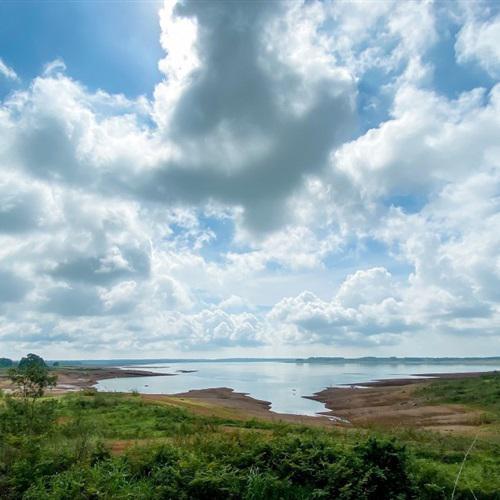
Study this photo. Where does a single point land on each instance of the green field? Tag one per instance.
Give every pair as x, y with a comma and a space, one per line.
479, 392
93, 445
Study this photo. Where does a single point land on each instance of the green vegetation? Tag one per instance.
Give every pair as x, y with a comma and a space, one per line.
116, 446
6, 363
32, 378
31, 361
481, 392
23, 412
91, 445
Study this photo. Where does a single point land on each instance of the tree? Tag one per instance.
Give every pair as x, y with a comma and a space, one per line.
31, 378
32, 382
31, 360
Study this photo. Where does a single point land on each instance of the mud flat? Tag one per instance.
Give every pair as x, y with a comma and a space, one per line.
75, 379
391, 403
397, 403
225, 402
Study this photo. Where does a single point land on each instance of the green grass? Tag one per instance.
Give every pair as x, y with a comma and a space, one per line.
121, 416
481, 392
177, 454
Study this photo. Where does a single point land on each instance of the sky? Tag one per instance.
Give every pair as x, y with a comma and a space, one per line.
244, 178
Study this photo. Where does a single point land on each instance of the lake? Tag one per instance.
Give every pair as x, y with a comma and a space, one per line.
283, 384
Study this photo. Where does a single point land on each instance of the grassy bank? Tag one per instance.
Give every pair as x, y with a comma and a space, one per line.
482, 393
120, 446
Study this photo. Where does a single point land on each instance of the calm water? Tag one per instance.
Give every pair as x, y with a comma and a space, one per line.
282, 383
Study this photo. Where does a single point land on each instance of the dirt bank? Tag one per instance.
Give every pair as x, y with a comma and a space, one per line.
74, 379
397, 403
393, 402
226, 403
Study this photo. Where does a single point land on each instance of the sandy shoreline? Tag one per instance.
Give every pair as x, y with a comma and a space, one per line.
418, 379
225, 402
395, 402
389, 402
75, 379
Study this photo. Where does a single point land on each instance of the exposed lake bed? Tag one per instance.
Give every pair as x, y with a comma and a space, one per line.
289, 388
312, 394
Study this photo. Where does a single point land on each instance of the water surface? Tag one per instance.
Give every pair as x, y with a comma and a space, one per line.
283, 384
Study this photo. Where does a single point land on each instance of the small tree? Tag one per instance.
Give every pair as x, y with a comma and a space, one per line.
31, 378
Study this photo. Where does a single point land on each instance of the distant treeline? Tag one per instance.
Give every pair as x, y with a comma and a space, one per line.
9, 363
406, 360
492, 360
6, 363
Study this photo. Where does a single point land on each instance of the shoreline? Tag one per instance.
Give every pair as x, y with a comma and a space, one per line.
384, 402
396, 402
415, 378
226, 402
71, 379
87, 378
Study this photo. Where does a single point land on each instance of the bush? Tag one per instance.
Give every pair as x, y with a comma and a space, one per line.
384, 470
20, 417
185, 456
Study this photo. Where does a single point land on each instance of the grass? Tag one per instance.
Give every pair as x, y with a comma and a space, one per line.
163, 449
481, 393
122, 417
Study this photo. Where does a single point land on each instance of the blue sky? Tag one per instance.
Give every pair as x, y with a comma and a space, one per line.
108, 45
196, 178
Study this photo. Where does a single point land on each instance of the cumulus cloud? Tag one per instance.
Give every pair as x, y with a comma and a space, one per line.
248, 125
240, 207
428, 142
365, 310
479, 41
21, 206
216, 328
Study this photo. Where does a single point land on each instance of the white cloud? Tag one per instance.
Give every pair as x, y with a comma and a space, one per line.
54, 68
365, 310
7, 71
428, 142
197, 220
479, 41
232, 108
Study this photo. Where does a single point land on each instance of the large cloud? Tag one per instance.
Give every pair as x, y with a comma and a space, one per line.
196, 220
247, 123
365, 310
244, 126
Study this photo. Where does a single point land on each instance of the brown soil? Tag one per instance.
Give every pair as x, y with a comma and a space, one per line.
226, 403
395, 403
75, 379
